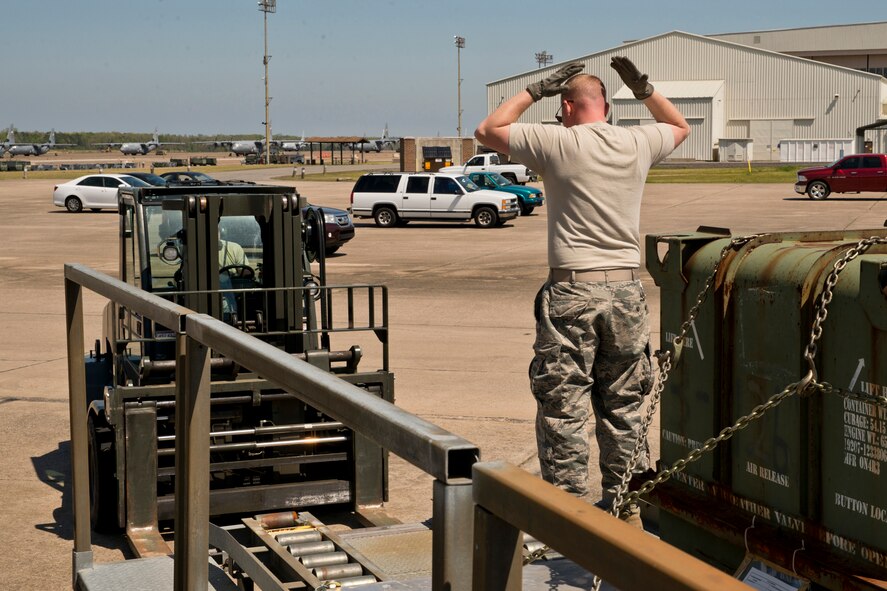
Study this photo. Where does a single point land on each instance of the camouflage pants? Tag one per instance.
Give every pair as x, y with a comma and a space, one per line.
592, 346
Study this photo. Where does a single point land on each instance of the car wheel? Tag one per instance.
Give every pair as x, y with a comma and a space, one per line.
73, 204
818, 190
486, 217
526, 209
385, 217
511, 177
102, 484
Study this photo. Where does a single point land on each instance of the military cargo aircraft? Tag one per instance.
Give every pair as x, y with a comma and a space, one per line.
239, 147
244, 147
292, 145
10, 138
28, 149
139, 148
383, 143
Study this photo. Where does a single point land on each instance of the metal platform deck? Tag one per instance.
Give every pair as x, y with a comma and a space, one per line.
143, 574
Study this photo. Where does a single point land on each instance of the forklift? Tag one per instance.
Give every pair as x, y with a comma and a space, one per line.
244, 255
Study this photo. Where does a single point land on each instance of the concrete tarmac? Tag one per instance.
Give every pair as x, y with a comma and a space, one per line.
461, 333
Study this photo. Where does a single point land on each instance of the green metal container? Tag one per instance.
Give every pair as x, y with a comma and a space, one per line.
695, 381
810, 468
853, 357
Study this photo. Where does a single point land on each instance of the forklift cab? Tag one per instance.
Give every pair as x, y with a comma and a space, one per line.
241, 254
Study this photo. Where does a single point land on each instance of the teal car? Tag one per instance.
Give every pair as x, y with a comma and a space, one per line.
528, 198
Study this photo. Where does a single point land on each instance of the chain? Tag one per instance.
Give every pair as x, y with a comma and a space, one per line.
535, 555
821, 312
734, 244
619, 505
828, 292
827, 388
808, 384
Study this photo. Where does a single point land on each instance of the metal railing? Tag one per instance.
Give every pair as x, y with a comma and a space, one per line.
434, 450
494, 500
510, 500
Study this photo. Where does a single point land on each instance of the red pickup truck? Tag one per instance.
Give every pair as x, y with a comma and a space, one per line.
851, 174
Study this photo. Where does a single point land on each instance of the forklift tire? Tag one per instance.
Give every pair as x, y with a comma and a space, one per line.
102, 484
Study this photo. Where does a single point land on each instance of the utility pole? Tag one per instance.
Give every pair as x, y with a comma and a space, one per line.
543, 58
267, 6
460, 44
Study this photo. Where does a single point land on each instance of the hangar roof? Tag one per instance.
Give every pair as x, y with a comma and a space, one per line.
861, 38
676, 33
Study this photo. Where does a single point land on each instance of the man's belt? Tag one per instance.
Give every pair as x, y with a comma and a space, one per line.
593, 276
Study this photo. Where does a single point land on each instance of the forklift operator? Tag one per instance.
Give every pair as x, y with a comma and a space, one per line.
231, 253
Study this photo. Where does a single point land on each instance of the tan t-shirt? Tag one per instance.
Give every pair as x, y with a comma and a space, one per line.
594, 177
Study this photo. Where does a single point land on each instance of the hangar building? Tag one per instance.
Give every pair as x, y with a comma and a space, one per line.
752, 101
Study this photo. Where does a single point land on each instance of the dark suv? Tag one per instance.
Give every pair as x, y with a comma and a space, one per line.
338, 228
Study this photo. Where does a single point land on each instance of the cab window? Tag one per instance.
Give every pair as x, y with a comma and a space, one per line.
476, 161
162, 228
871, 162
131, 266
852, 162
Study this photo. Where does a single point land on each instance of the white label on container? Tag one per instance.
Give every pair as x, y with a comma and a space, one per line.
679, 439
865, 431
864, 508
765, 473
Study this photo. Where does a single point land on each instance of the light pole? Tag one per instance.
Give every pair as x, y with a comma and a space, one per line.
267, 6
460, 43
543, 58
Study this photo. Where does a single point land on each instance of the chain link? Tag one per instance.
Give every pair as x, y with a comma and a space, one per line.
536, 555
827, 388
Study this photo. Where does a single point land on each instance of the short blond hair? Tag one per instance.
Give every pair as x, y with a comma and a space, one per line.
585, 86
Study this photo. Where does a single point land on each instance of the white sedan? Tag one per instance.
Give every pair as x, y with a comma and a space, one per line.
95, 191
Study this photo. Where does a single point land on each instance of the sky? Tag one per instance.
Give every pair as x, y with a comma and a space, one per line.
339, 67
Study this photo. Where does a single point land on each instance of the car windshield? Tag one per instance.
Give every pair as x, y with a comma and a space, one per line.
153, 179
499, 179
467, 183
134, 182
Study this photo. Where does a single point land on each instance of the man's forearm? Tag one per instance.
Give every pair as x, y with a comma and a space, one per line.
664, 111
493, 131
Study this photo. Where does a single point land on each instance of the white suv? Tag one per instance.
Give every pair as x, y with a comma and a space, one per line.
397, 198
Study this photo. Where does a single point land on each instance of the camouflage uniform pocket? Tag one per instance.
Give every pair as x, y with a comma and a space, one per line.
558, 332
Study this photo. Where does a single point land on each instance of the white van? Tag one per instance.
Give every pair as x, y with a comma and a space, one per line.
399, 197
